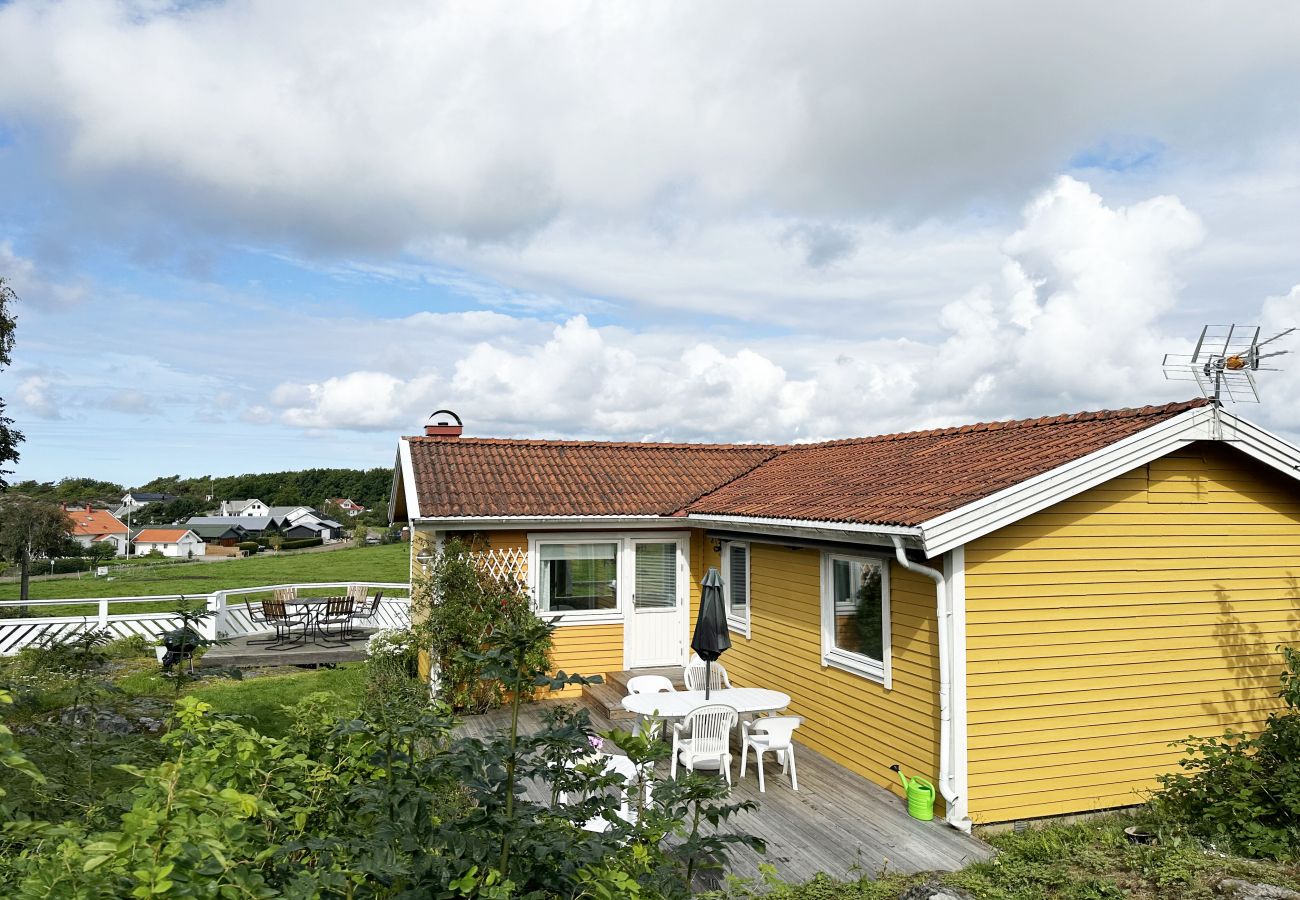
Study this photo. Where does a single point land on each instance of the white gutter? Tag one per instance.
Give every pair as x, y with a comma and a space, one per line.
802, 525
952, 772
452, 523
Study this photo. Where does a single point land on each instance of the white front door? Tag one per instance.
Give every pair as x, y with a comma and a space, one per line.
657, 603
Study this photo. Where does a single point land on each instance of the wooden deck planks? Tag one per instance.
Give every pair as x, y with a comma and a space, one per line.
239, 653
838, 822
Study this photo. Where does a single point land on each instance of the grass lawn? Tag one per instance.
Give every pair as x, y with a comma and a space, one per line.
258, 696
262, 698
383, 563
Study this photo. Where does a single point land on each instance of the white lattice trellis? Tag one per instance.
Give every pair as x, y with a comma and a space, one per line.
503, 562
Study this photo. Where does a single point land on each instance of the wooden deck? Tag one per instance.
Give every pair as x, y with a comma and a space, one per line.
838, 822
239, 653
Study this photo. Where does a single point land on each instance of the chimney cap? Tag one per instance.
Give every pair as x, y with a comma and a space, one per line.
442, 427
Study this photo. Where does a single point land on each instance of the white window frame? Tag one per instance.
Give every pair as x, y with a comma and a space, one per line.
880, 671
734, 622
571, 617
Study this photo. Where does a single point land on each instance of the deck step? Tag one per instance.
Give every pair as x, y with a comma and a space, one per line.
607, 700
620, 679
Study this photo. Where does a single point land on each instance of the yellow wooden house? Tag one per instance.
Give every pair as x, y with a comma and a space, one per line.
1029, 611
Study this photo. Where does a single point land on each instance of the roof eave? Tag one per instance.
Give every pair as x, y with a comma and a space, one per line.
498, 522
842, 530
988, 514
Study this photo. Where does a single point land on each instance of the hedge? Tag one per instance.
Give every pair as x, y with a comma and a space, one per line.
249, 547
301, 542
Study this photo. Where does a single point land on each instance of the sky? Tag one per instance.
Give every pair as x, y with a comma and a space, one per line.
252, 236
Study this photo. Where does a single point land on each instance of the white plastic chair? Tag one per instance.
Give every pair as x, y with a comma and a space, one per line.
649, 684
710, 738
632, 782
694, 675
773, 734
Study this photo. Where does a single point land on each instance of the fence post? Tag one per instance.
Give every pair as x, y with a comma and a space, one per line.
217, 604
103, 614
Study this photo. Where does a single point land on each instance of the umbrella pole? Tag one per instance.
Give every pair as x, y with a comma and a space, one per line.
708, 677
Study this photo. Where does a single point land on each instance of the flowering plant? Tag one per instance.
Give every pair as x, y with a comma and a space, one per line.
394, 643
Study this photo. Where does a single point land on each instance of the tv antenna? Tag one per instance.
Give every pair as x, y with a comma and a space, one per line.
1225, 361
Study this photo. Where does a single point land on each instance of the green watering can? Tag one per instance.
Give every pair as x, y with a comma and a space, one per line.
920, 795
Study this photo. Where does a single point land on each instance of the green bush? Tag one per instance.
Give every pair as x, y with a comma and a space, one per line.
63, 565
458, 606
386, 803
1241, 791
249, 547
299, 543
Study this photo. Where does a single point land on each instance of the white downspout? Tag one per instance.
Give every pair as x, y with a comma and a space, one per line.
951, 769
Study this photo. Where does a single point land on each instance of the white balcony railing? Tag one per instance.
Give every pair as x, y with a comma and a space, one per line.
229, 610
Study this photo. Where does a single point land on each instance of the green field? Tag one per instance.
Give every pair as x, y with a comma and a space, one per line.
383, 563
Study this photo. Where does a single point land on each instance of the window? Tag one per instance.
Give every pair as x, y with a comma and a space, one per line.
855, 615
578, 577
735, 584
656, 576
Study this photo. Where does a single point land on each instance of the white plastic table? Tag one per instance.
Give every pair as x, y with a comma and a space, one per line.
745, 701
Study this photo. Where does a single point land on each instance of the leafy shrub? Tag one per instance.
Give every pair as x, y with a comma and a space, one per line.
458, 606
299, 543
387, 804
249, 547
63, 565
1241, 791
129, 647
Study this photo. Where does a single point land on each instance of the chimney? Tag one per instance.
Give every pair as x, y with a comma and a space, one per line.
439, 426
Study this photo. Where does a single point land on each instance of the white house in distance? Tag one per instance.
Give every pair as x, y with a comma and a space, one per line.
347, 505
134, 500
91, 526
250, 507
180, 542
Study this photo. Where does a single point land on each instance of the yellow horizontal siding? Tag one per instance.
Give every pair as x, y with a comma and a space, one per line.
850, 719
1108, 626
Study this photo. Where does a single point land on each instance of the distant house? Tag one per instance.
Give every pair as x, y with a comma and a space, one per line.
347, 505
220, 534
135, 499
251, 526
252, 507
307, 530
90, 526
179, 542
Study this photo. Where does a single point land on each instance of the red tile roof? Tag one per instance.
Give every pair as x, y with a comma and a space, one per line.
909, 478
494, 477
93, 523
895, 479
161, 535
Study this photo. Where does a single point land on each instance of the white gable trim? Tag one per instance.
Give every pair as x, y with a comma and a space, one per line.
998, 510
407, 477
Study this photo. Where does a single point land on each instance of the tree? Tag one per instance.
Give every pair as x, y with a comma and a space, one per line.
10, 437
30, 528
100, 551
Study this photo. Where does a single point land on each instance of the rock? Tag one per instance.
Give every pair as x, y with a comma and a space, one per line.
1244, 890
933, 891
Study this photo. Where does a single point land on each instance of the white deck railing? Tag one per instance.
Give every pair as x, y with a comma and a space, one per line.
229, 610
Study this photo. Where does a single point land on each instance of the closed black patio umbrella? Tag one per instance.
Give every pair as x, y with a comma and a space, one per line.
711, 634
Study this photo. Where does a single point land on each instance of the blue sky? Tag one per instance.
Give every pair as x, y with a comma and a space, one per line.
254, 236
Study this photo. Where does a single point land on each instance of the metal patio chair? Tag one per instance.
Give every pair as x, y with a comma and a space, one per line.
338, 612
364, 608
284, 620
771, 734
709, 728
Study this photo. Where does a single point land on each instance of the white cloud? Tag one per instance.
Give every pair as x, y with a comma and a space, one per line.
34, 286
1077, 320
337, 125
40, 396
